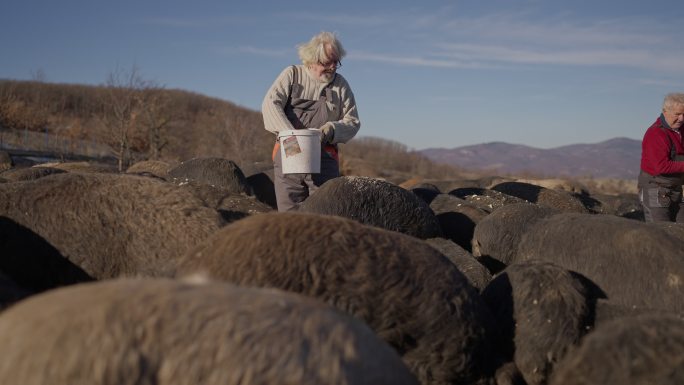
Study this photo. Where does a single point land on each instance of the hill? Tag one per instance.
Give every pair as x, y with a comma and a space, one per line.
130, 121
135, 121
615, 158
139, 121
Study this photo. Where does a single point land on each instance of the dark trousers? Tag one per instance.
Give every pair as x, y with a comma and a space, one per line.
292, 189
662, 204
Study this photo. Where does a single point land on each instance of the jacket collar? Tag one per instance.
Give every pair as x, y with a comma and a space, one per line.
663, 123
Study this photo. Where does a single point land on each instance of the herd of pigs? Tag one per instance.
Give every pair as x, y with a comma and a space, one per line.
186, 274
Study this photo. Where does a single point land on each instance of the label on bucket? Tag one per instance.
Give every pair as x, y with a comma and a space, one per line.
291, 146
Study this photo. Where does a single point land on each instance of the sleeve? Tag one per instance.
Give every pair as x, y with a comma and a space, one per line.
349, 124
656, 152
272, 108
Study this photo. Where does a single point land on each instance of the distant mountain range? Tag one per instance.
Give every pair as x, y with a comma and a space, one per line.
615, 158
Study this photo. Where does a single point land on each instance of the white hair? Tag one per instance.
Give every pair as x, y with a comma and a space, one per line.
314, 51
672, 100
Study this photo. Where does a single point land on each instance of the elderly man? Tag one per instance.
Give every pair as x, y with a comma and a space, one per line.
662, 164
311, 95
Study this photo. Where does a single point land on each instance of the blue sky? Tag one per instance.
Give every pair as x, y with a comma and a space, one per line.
544, 73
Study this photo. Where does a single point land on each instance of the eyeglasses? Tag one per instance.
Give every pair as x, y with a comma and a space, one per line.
336, 64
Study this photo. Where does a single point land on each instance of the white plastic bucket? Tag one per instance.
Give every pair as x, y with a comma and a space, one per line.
300, 151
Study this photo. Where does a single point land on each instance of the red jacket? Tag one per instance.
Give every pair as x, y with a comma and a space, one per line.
655, 149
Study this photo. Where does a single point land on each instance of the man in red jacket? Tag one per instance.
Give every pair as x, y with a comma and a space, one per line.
662, 164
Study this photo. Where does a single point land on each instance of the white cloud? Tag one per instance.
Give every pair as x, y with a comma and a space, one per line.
606, 56
519, 27
265, 52
447, 38
662, 82
174, 22
520, 38
338, 18
399, 59
251, 50
207, 22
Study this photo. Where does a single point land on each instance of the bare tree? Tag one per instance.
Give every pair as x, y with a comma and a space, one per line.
157, 114
38, 76
8, 101
122, 105
238, 137
21, 109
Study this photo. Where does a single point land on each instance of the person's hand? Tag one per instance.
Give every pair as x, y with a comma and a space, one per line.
327, 133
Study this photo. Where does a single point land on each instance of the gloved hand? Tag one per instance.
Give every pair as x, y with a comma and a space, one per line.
327, 133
